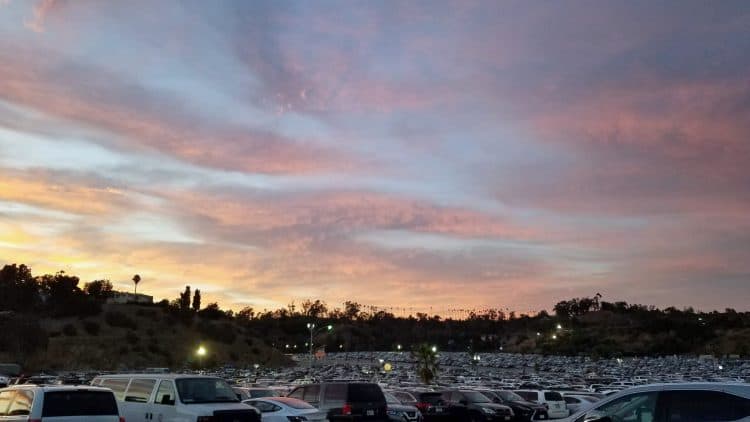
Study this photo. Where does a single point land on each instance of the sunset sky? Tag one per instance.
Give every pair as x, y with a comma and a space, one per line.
428, 154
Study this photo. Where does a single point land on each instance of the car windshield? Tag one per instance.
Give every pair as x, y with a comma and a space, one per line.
475, 397
205, 390
510, 396
391, 399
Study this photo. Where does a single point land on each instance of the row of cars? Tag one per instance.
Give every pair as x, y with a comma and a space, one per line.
195, 398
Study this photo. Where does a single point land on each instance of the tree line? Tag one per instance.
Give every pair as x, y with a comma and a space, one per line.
585, 325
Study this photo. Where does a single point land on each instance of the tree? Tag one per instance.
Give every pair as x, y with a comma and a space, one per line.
18, 288
315, 309
426, 362
185, 299
197, 300
351, 310
98, 289
136, 280
246, 314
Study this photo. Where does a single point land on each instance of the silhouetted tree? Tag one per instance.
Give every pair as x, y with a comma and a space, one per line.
197, 300
98, 289
18, 288
185, 299
136, 280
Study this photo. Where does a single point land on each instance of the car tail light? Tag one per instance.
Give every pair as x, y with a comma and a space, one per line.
122, 419
347, 409
422, 406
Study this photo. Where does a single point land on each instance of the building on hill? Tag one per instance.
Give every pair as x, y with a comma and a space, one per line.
126, 297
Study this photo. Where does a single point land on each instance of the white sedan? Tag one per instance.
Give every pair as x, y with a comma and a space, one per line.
285, 409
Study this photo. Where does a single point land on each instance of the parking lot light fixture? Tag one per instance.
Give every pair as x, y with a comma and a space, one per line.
554, 336
398, 347
434, 349
559, 326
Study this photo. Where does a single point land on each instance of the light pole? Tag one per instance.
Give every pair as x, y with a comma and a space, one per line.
313, 333
200, 353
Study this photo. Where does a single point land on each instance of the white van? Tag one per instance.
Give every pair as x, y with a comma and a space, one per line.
176, 398
59, 403
556, 406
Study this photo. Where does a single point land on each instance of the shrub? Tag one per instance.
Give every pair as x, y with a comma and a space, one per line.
91, 327
119, 319
69, 330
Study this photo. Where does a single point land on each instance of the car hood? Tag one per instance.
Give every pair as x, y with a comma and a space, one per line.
493, 406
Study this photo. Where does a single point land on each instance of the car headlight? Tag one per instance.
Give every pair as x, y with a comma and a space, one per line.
488, 411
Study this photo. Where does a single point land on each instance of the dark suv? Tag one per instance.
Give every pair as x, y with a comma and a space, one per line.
345, 401
523, 410
470, 406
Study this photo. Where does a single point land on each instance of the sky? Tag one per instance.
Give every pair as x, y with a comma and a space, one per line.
423, 155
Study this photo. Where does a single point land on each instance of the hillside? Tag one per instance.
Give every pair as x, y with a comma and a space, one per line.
136, 336
49, 322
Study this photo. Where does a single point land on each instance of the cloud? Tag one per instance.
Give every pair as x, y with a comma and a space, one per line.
40, 12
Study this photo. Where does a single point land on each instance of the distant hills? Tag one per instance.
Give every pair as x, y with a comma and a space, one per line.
52, 323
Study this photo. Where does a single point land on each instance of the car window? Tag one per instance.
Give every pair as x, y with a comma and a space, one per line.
165, 394
78, 403
117, 385
528, 395
404, 397
5, 399
311, 393
705, 406
571, 400
365, 393
21, 404
264, 407
297, 393
432, 398
335, 392
552, 396
637, 407
140, 390
205, 390
475, 397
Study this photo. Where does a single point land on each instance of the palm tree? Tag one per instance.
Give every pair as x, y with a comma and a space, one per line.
136, 280
427, 364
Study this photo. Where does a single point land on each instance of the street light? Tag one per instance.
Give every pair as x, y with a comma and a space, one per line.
313, 333
434, 349
554, 336
201, 352
398, 347
559, 326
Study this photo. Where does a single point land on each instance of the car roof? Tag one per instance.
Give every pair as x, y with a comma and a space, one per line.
739, 389
45, 387
156, 376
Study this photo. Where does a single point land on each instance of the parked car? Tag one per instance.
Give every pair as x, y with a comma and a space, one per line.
247, 393
24, 403
576, 403
285, 409
400, 412
172, 397
345, 401
432, 406
467, 405
556, 407
523, 410
404, 397
691, 402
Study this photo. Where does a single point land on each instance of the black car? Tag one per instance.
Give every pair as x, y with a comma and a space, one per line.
473, 406
345, 401
523, 409
432, 406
